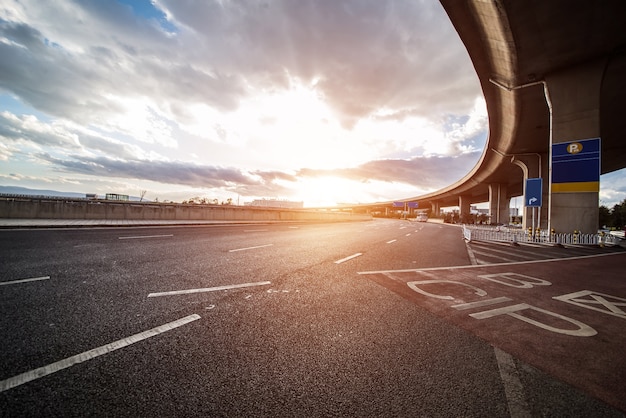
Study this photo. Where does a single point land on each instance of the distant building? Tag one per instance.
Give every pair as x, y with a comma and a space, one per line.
275, 203
115, 196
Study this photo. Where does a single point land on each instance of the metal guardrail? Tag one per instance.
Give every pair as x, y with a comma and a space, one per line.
513, 235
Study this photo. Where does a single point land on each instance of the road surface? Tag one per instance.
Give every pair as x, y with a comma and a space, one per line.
273, 320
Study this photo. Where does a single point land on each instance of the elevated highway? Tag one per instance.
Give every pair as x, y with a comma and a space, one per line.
551, 72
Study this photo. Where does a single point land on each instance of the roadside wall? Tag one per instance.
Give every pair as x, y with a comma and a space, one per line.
25, 208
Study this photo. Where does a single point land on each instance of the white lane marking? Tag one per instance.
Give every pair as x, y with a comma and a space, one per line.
513, 388
491, 265
408, 235
34, 279
207, 289
393, 240
146, 236
250, 248
348, 258
471, 254
487, 255
20, 379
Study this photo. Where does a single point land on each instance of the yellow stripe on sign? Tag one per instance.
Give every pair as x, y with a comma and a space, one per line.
583, 186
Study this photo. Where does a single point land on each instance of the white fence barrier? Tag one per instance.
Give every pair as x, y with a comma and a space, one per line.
478, 233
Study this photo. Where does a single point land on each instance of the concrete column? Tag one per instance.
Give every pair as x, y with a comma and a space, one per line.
499, 203
434, 208
464, 208
535, 166
574, 96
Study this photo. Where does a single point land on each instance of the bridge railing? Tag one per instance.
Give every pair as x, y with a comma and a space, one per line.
514, 235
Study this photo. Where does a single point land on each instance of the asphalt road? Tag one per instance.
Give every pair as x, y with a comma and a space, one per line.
249, 320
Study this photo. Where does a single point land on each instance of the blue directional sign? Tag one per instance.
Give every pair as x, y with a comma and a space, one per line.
576, 166
398, 204
532, 197
413, 205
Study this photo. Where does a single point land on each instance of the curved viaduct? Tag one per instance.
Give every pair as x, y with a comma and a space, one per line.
552, 72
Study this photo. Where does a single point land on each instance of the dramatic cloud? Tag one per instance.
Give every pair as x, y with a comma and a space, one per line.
428, 172
257, 98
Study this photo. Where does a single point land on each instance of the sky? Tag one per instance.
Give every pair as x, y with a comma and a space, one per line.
323, 102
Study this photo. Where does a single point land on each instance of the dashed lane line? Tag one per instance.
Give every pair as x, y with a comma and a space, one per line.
250, 248
20, 379
34, 279
348, 258
146, 236
513, 388
207, 289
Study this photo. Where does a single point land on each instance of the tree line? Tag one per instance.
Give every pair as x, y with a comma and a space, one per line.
614, 217
204, 201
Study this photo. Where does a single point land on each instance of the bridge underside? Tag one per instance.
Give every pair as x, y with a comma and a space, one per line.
552, 72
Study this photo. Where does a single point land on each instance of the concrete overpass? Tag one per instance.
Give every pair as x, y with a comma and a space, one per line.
552, 72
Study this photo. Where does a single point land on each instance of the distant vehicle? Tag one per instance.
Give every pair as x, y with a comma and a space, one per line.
422, 217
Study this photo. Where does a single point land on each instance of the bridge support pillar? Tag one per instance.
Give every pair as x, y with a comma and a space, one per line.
574, 98
434, 208
464, 208
499, 203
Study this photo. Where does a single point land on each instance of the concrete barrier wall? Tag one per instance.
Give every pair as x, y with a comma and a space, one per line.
92, 209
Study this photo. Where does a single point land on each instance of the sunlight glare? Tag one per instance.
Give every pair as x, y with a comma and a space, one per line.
325, 191
141, 120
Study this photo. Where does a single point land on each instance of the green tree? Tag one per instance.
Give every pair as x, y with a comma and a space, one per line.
605, 217
618, 214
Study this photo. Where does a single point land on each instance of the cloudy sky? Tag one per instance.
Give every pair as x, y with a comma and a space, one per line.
320, 101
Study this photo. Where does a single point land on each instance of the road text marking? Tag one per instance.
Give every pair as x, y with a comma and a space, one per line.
34, 279
20, 379
207, 289
348, 258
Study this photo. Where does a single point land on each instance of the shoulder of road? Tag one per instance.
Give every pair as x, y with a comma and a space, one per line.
8, 223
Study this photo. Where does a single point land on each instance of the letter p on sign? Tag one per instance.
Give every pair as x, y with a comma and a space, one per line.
574, 148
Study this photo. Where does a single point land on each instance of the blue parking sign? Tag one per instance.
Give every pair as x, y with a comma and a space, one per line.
532, 197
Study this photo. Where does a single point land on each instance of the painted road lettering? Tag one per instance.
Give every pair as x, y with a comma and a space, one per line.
538, 317
416, 288
573, 327
520, 281
582, 330
481, 303
596, 301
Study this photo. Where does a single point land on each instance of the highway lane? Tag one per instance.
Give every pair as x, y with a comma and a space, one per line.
306, 335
